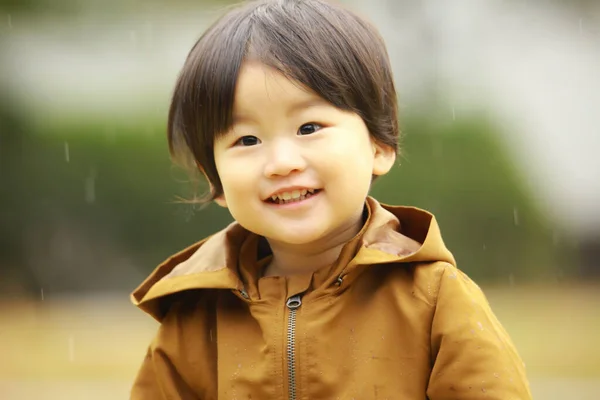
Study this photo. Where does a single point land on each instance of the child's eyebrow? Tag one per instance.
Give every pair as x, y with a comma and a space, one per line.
242, 119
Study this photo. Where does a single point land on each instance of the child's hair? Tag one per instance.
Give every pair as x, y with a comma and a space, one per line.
326, 48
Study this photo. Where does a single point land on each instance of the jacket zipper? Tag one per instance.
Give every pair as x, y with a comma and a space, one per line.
293, 303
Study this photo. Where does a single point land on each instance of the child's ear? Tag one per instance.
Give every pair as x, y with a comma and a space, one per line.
221, 201
383, 158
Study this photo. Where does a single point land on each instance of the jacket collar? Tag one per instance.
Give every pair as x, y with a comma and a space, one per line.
391, 234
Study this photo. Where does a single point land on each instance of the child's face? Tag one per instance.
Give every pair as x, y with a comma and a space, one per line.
288, 141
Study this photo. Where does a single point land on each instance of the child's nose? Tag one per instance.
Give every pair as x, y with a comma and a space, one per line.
284, 158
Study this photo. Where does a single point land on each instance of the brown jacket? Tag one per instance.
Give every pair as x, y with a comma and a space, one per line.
393, 318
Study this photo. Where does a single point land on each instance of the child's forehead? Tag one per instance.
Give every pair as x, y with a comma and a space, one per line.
259, 83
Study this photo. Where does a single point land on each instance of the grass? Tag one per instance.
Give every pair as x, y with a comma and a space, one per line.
72, 339
555, 329
91, 347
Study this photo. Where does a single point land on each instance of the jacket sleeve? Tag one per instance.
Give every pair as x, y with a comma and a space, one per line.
472, 355
180, 361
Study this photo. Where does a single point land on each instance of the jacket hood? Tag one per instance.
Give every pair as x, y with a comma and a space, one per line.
390, 235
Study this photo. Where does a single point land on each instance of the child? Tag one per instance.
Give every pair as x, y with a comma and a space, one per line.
317, 291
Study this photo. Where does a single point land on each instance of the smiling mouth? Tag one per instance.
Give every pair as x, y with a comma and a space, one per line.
294, 196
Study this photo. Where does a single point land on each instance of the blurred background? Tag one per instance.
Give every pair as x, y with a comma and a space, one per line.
500, 108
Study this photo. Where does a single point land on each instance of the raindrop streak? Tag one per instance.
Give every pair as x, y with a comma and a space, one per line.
581, 26
453, 114
42, 291
71, 349
9, 21
67, 155
516, 216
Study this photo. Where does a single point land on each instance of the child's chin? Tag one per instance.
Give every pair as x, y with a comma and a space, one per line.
297, 237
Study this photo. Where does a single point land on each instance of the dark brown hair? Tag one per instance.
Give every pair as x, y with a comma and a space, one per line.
325, 47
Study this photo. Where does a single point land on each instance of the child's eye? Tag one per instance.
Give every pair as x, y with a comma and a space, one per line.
247, 140
307, 129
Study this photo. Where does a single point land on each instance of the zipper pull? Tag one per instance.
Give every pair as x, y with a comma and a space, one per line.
294, 302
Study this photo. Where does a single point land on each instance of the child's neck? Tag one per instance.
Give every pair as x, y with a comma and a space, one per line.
291, 259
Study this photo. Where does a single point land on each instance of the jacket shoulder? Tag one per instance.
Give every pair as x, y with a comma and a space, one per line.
426, 279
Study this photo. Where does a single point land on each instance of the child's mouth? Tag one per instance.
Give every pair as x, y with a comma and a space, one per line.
294, 196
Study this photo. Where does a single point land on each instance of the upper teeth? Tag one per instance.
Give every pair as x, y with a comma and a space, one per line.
295, 194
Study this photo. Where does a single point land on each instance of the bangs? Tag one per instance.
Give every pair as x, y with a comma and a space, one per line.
322, 49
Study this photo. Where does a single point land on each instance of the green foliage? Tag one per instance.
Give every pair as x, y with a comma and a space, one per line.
461, 173
135, 187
